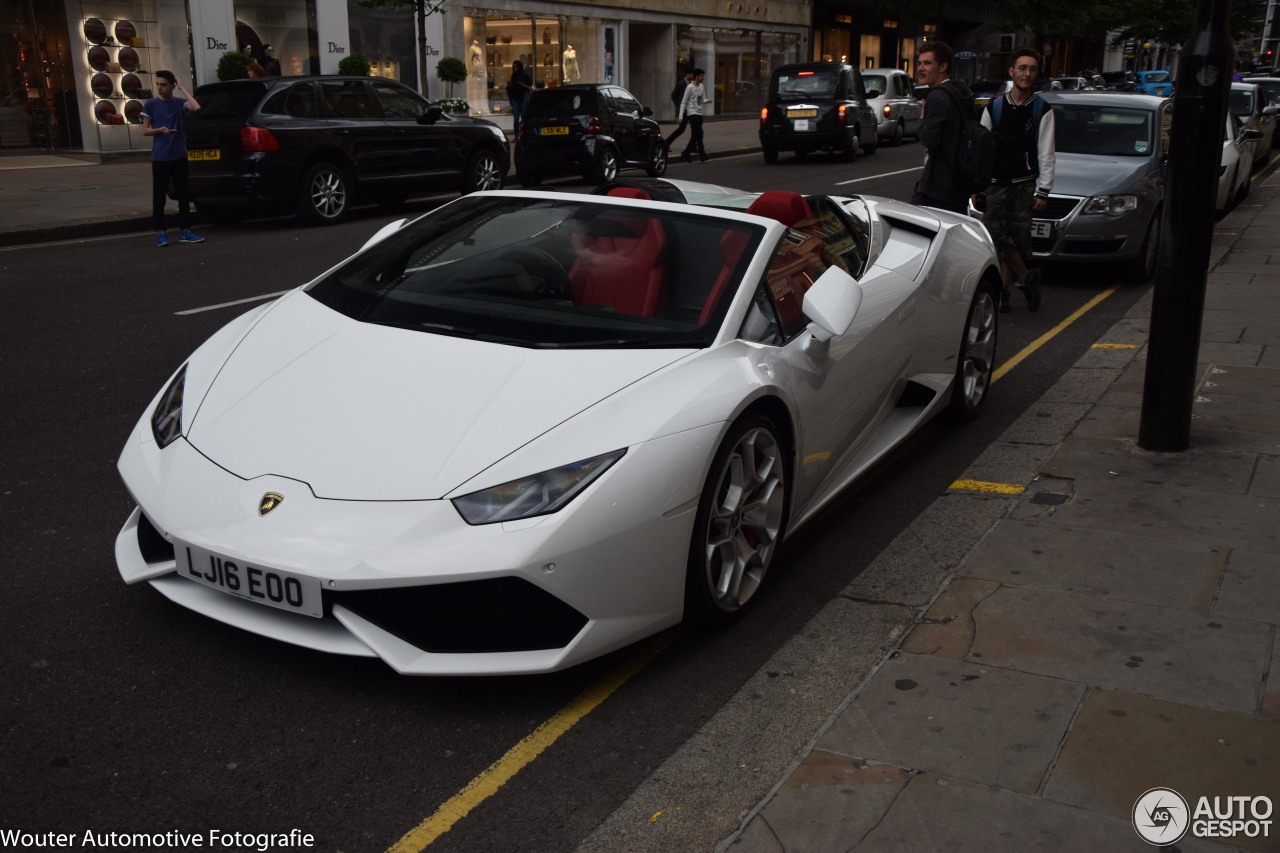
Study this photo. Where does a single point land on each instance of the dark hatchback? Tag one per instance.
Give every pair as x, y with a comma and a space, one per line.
316, 144
818, 106
592, 129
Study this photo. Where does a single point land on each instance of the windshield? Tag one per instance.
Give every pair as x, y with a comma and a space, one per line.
544, 272
1108, 131
798, 85
1155, 76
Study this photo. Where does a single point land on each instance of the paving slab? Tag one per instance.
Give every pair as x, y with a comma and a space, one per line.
1109, 566
1250, 588
829, 802
973, 722
1213, 661
937, 813
1123, 744
1198, 469
1266, 477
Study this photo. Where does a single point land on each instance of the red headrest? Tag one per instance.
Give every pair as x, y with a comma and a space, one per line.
786, 207
629, 192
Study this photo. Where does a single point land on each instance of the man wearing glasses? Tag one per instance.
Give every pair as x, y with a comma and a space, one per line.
1023, 125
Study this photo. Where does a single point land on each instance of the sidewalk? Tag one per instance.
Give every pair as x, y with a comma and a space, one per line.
59, 197
1075, 622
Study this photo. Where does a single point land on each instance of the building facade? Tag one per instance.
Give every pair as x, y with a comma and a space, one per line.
75, 73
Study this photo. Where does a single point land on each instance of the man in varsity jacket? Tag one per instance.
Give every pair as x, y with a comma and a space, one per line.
1023, 125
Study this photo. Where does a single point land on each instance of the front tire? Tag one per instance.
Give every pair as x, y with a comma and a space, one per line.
1143, 267
325, 195
658, 160
741, 518
977, 359
483, 173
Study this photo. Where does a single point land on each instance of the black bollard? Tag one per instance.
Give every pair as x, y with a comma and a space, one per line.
1186, 226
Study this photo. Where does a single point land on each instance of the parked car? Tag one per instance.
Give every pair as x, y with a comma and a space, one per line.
1235, 171
1074, 84
590, 129
531, 427
986, 90
1247, 101
1109, 181
818, 106
1159, 83
1121, 81
1269, 92
317, 144
891, 95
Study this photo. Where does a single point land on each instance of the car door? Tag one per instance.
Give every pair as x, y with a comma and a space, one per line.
842, 393
422, 155
357, 126
624, 116
912, 108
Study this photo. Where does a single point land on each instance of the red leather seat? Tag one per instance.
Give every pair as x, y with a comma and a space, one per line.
732, 245
786, 207
624, 272
629, 192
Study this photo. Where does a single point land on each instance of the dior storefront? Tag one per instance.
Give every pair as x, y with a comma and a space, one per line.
77, 72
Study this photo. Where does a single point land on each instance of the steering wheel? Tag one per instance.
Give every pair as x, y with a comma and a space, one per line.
554, 280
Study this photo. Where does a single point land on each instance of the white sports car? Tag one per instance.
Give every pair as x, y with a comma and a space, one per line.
529, 428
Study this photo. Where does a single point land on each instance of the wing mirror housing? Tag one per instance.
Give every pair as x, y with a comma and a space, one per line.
1251, 133
831, 304
646, 111
432, 114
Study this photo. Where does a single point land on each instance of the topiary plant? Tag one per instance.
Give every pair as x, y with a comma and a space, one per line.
233, 65
355, 64
451, 70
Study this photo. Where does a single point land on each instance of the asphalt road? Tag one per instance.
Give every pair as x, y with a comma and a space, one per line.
126, 713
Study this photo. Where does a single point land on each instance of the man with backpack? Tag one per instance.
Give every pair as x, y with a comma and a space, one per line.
677, 97
947, 107
1024, 168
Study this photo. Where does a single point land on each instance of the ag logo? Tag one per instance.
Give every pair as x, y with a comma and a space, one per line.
1161, 816
269, 501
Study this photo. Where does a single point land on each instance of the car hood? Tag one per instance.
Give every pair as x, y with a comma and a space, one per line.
363, 412
1092, 174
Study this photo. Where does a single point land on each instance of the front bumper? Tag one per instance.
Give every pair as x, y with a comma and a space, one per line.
1077, 236
409, 581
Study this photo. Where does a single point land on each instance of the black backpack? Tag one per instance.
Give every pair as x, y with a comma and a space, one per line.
976, 158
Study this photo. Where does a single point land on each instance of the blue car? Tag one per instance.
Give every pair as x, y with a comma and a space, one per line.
1154, 83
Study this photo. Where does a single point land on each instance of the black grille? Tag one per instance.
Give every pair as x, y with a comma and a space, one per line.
496, 615
154, 547
1059, 207
1091, 247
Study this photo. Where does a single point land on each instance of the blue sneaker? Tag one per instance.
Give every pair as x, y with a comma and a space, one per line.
162, 240
190, 237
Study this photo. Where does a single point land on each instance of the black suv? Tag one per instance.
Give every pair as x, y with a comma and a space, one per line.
818, 106
315, 144
592, 130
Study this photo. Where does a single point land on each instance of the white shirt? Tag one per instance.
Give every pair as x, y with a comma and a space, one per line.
693, 101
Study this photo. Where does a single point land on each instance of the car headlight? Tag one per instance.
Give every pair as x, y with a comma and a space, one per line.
1111, 205
166, 420
540, 494
498, 132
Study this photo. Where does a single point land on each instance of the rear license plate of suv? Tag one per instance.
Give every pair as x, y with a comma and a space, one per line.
204, 154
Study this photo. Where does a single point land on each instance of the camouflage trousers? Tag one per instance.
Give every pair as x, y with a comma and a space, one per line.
1008, 218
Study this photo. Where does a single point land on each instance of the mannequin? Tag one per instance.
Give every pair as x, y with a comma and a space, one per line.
270, 64
570, 58
476, 63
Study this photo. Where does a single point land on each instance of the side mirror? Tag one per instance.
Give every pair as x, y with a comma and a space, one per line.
1271, 110
645, 111
833, 301
432, 115
1251, 133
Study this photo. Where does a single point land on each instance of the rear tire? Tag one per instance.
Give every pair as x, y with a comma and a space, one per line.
770, 156
977, 358
741, 518
606, 168
324, 197
658, 160
898, 132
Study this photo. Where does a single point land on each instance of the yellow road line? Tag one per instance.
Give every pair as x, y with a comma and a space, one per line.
519, 756
1115, 346
986, 488
1051, 334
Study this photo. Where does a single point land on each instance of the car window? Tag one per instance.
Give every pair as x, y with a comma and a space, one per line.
796, 264
1107, 131
625, 102
235, 101
397, 102
876, 81
298, 100
349, 99
1155, 76
1240, 102
798, 85
761, 325
552, 103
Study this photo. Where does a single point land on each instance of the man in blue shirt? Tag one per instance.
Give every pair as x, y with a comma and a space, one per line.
162, 118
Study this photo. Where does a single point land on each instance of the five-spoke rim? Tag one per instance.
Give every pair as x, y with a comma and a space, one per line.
745, 519
979, 349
